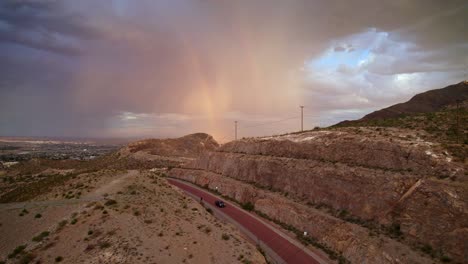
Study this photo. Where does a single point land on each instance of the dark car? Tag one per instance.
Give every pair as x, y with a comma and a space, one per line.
220, 204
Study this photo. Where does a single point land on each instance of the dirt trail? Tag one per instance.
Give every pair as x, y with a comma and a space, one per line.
95, 195
112, 186
12, 225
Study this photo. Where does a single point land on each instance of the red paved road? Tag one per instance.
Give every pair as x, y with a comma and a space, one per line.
281, 246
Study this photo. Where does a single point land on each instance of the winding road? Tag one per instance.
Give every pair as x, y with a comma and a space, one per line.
287, 251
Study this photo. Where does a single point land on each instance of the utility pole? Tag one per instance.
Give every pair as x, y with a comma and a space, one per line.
302, 118
458, 121
235, 130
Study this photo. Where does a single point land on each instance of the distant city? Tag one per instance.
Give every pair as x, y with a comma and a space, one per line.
19, 149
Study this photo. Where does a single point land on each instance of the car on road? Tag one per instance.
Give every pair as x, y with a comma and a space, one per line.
220, 203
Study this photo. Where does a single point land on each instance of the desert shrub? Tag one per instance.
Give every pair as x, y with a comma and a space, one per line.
395, 230
104, 244
38, 216
427, 249
18, 250
343, 213
110, 202
59, 259
27, 258
225, 237
445, 259
62, 223
260, 249
248, 206
41, 236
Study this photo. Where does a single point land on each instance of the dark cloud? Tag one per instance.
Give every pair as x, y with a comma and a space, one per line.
42, 40
200, 60
439, 29
44, 25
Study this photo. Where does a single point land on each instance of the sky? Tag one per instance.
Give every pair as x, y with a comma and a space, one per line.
166, 68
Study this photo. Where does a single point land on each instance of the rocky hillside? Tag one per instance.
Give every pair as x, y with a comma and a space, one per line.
189, 146
438, 116
430, 101
365, 195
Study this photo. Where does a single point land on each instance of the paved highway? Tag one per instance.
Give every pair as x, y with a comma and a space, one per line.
288, 251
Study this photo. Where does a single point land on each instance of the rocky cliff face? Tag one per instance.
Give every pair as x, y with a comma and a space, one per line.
173, 149
353, 241
336, 185
396, 150
435, 213
397, 183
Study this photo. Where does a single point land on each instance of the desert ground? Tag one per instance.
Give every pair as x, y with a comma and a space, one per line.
112, 216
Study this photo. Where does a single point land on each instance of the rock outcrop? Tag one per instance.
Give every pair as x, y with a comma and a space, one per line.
354, 147
401, 184
175, 149
352, 240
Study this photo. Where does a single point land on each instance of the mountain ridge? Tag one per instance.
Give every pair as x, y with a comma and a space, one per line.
429, 101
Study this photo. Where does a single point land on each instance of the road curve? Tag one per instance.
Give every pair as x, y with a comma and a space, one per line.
289, 252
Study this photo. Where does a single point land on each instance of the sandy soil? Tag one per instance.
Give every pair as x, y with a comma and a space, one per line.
131, 217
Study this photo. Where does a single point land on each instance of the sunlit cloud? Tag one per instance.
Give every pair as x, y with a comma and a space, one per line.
378, 72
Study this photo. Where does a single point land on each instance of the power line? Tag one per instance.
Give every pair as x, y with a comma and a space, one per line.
458, 121
272, 122
235, 128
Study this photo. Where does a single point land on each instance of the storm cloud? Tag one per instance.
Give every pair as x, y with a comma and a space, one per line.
166, 68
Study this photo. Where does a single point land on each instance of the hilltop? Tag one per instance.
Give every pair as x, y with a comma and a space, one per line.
430, 101
189, 146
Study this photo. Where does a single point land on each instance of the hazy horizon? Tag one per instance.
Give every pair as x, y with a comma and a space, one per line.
130, 70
